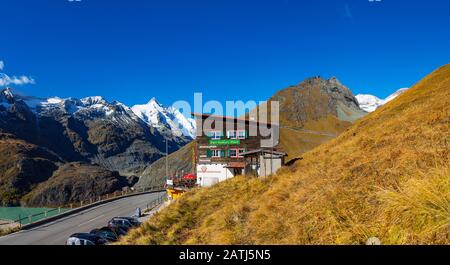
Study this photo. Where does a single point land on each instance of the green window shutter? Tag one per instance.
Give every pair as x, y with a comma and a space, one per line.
227, 153
208, 153
246, 134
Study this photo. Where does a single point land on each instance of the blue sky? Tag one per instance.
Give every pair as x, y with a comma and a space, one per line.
134, 50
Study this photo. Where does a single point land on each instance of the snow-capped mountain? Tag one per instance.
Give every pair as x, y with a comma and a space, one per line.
6, 95
95, 130
394, 95
167, 120
72, 106
158, 116
371, 103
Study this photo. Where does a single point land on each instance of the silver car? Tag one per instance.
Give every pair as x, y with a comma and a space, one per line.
75, 241
85, 239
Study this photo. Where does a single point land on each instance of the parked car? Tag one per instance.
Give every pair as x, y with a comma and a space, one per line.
85, 239
108, 235
117, 230
75, 241
134, 221
120, 223
110, 229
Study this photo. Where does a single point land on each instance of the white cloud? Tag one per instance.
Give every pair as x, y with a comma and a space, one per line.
6, 80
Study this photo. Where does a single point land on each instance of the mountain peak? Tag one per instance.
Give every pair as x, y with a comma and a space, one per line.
153, 101
320, 80
94, 100
313, 80
7, 91
335, 81
170, 119
6, 94
368, 103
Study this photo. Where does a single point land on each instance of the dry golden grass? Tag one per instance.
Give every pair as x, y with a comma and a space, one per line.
7, 231
297, 141
387, 176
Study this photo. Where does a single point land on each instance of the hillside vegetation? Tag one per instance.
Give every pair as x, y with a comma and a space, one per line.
180, 162
387, 176
296, 141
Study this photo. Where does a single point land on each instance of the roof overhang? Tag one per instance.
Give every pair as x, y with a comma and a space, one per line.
228, 118
263, 151
236, 165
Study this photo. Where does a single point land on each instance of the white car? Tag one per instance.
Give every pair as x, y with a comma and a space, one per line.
74, 241
85, 239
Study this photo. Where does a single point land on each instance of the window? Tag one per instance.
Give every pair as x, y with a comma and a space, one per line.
240, 151
216, 135
233, 153
242, 134
216, 153
232, 134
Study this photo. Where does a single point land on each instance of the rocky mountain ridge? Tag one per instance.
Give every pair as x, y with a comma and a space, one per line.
41, 135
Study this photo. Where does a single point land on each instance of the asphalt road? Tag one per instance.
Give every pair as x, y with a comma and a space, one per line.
57, 232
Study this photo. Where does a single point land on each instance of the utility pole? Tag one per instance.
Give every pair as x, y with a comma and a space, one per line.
271, 161
167, 159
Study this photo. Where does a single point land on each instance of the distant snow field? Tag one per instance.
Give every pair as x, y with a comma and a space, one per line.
371, 103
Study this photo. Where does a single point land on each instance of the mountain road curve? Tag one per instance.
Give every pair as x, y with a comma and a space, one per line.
58, 231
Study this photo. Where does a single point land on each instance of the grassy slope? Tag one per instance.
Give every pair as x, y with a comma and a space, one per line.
181, 160
387, 176
297, 141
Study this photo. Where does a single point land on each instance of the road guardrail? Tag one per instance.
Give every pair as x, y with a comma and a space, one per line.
67, 210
